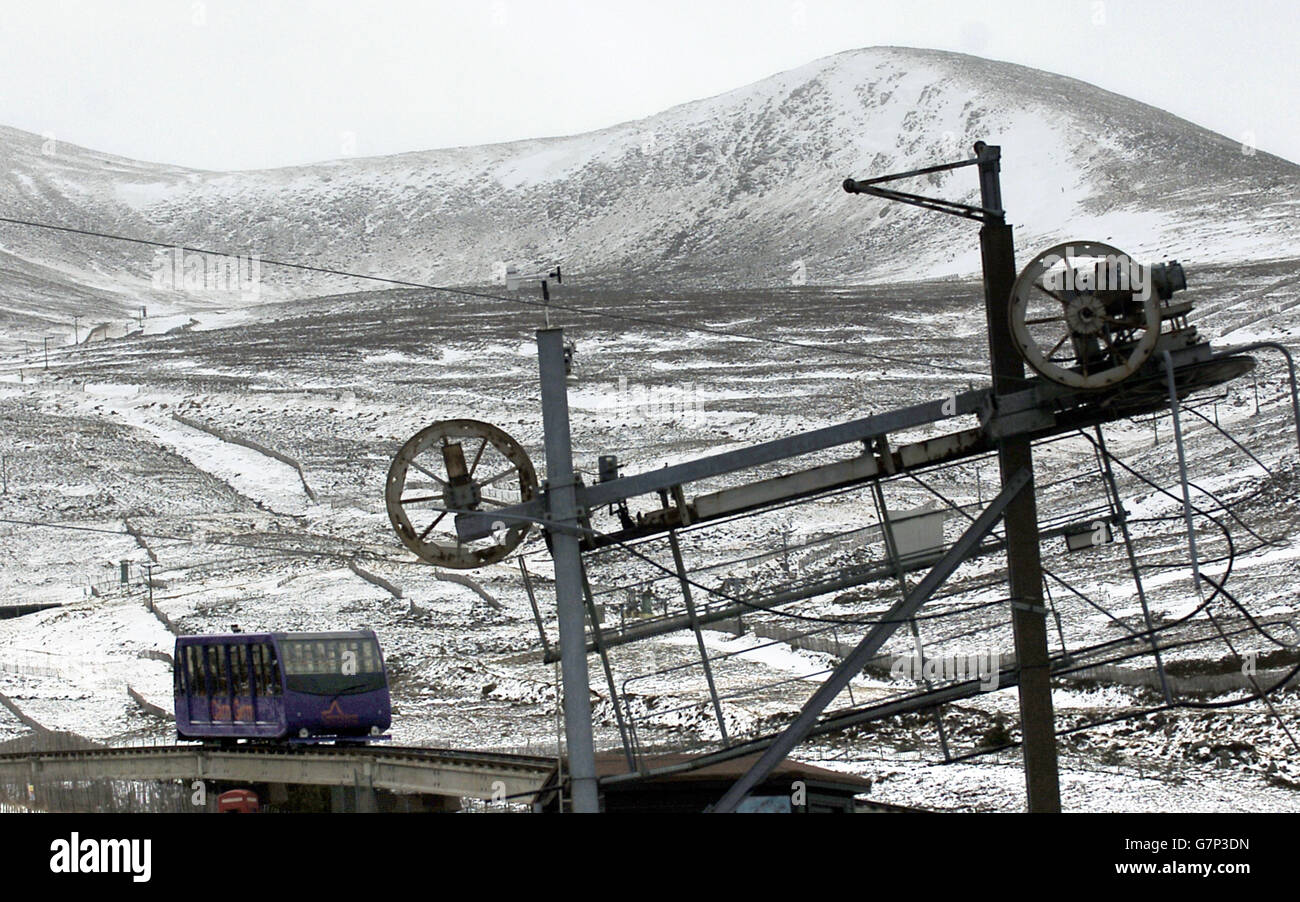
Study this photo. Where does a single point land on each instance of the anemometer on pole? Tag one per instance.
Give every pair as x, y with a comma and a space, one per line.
514, 280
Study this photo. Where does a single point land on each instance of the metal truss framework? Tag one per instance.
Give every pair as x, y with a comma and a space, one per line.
1012, 414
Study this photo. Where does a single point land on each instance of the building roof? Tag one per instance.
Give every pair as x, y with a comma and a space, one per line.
609, 764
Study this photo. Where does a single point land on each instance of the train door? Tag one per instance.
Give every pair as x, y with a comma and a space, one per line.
267, 697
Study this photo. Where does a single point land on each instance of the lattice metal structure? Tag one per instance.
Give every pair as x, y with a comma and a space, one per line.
1105, 342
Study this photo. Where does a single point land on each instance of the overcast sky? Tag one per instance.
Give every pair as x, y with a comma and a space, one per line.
229, 84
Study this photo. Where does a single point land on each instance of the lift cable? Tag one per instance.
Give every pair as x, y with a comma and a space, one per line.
546, 304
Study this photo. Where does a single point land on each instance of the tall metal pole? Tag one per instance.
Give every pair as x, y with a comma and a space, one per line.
699, 636
1024, 563
1182, 472
562, 511
532, 600
1108, 473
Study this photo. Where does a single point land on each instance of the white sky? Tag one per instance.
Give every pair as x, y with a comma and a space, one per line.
230, 84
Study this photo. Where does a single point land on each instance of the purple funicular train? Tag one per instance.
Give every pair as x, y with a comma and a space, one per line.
285, 687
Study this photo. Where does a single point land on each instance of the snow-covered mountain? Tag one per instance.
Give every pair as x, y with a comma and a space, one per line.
739, 189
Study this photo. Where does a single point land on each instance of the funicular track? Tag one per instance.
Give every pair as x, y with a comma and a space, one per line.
401, 769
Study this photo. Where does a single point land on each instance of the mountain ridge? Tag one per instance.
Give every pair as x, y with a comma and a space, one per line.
740, 188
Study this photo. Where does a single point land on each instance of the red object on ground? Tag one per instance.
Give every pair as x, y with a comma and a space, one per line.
238, 801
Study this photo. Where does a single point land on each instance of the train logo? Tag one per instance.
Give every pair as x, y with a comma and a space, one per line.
336, 715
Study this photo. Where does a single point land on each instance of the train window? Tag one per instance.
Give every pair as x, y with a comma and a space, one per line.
291, 656
258, 656
255, 674
228, 653
302, 658
239, 670
273, 668
369, 662
217, 667
198, 676
268, 681
202, 679
318, 666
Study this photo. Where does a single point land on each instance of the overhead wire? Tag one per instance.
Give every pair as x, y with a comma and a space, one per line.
465, 292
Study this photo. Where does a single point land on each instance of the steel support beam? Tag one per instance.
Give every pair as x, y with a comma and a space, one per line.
477, 525
1015, 456
562, 510
699, 636
852, 665
1182, 473
859, 430
598, 637
1112, 485
1022, 410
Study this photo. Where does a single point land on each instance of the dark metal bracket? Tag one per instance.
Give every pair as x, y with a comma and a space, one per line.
966, 211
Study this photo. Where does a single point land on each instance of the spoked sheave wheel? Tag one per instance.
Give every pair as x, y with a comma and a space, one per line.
453, 466
1079, 317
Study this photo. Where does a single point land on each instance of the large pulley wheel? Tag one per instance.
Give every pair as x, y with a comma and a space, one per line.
1083, 315
452, 467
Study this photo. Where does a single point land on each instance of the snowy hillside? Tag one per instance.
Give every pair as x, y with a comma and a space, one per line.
117, 454
741, 189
